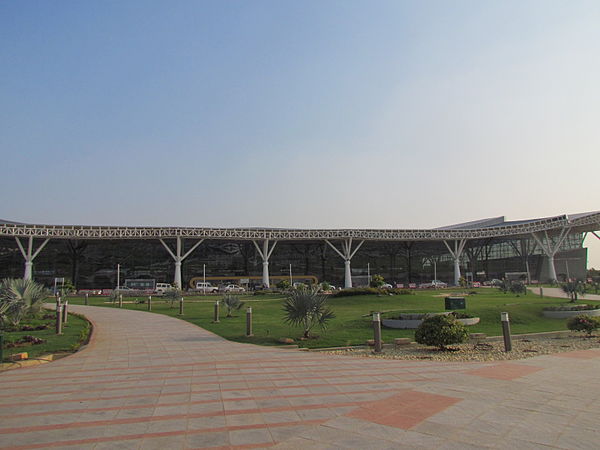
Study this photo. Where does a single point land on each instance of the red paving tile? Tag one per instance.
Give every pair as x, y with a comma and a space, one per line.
404, 410
504, 371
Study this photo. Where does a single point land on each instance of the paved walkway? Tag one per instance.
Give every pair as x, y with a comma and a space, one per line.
153, 382
559, 293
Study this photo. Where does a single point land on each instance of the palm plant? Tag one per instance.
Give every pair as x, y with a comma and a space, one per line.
19, 297
172, 295
307, 308
573, 289
232, 303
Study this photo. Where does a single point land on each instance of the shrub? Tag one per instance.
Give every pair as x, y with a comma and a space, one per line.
20, 298
376, 281
583, 322
232, 303
283, 285
370, 291
171, 296
440, 331
571, 307
573, 289
518, 288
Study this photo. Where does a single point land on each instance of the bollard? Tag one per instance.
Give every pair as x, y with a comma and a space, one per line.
1, 348
506, 331
86, 299
377, 332
541, 292
249, 322
149, 303
216, 315
181, 306
120, 300
58, 318
65, 312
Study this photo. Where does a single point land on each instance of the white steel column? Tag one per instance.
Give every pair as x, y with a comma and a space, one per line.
265, 254
178, 258
551, 249
29, 256
347, 253
459, 246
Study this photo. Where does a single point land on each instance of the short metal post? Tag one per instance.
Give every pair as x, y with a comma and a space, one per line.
377, 332
249, 322
506, 331
120, 300
216, 315
149, 303
65, 312
541, 292
181, 306
58, 318
1, 348
86, 299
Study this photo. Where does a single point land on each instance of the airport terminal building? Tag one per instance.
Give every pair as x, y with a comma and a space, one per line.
536, 250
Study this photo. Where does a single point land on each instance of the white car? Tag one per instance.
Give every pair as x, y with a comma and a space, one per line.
233, 288
386, 286
206, 287
162, 287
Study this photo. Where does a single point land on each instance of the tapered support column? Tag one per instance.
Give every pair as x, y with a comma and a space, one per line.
551, 248
347, 253
178, 257
265, 254
459, 246
29, 256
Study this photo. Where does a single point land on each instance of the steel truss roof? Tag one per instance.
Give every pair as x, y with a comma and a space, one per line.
579, 222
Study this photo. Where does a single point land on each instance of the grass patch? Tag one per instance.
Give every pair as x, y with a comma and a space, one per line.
75, 333
352, 325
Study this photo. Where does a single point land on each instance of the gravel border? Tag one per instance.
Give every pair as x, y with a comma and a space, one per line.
488, 350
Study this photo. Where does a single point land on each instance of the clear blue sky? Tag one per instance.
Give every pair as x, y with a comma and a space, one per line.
304, 114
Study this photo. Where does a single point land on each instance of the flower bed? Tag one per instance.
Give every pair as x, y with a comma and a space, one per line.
567, 311
412, 321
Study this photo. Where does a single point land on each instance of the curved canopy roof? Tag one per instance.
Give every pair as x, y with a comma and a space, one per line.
480, 229
485, 228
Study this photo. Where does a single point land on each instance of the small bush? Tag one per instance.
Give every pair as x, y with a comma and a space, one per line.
440, 331
583, 322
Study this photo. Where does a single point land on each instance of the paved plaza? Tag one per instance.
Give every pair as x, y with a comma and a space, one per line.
148, 381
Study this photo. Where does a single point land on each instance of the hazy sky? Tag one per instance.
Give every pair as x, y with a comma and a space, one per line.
323, 113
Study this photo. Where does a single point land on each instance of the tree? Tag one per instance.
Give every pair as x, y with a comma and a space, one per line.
307, 307
573, 289
441, 330
232, 303
172, 295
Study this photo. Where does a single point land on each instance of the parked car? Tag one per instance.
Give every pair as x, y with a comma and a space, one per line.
233, 288
206, 287
434, 284
386, 286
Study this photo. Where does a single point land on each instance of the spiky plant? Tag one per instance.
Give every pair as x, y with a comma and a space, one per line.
307, 308
172, 295
19, 297
232, 303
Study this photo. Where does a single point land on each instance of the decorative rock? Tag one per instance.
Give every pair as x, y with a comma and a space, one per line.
371, 342
402, 341
286, 341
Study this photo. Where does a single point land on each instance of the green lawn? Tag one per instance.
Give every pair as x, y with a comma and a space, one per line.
75, 332
352, 325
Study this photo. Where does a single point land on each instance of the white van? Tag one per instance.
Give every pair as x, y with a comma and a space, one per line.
162, 287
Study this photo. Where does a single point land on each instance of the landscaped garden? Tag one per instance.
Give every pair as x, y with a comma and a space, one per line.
352, 322
27, 327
